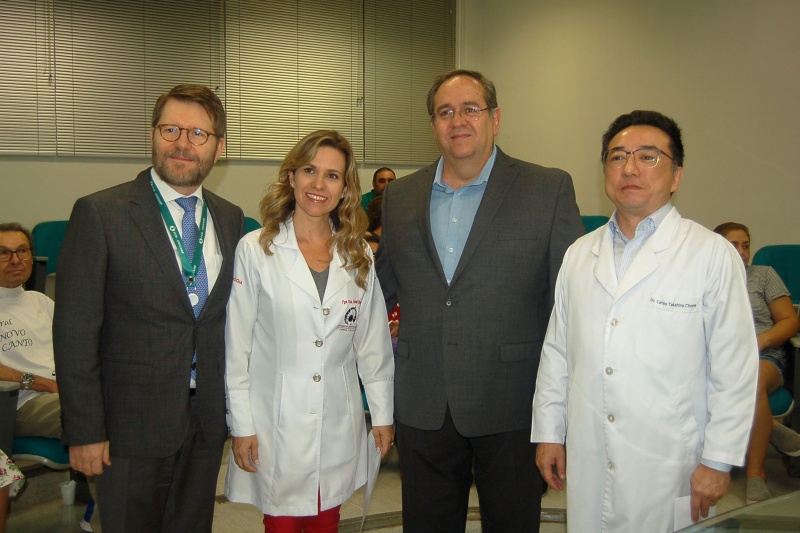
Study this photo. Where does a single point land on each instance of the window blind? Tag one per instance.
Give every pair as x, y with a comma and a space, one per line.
80, 77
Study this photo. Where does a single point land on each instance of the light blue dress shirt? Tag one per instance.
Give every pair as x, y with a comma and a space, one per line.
626, 249
453, 212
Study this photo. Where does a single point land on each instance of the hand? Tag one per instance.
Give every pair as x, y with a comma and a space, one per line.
90, 458
245, 453
384, 438
551, 459
394, 328
708, 486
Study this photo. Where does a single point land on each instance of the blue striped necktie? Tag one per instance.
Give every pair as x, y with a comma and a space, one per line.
189, 238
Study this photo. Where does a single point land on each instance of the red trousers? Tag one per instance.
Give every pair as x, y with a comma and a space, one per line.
323, 522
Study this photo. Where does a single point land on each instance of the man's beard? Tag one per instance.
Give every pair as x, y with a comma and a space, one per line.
175, 174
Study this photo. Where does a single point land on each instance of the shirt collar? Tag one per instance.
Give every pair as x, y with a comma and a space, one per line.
16, 292
648, 224
482, 178
169, 194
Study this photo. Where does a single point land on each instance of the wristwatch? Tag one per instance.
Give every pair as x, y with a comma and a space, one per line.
26, 380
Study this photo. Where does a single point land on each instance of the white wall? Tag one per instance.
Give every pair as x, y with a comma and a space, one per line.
726, 70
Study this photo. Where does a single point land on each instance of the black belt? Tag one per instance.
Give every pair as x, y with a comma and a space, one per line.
192, 392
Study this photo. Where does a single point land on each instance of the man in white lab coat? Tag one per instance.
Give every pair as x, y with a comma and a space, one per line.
649, 366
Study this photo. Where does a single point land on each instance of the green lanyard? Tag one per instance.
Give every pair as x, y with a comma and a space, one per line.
189, 267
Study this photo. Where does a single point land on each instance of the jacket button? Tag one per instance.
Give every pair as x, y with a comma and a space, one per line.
609, 370
448, 303
326, 311
316, 378
318, 343
611, 418
614, 322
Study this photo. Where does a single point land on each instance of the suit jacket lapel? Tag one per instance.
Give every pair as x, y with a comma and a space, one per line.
423, 207
497, 187
226, 244
144, 212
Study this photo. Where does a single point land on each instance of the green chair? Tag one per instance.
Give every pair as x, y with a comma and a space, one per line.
781, 403
592, 222
785, 259
47, 239
251, 224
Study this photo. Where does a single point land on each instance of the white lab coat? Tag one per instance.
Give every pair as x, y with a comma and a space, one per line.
292, 379
646, 376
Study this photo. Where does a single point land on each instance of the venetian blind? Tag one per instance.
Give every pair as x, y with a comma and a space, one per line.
80, 77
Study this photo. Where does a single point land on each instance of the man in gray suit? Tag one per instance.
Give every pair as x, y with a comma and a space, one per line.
471, 247
144, 276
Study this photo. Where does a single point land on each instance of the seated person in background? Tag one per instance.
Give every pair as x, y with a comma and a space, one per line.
26, 349
382, 177
374, 228
11, 480
373, 238
776, 322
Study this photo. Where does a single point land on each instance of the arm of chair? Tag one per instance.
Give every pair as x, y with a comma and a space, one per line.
9, 392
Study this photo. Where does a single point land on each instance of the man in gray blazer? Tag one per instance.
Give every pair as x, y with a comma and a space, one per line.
139, 327
471, 247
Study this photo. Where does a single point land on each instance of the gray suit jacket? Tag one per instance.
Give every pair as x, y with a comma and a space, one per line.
474, 345
124, 331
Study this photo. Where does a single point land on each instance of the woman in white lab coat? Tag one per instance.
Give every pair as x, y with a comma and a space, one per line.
306, 318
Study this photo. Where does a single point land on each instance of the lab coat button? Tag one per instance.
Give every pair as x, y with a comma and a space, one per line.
614, 322
609, 370
326, 311
318, 343
611, 418
316, 378
610, 465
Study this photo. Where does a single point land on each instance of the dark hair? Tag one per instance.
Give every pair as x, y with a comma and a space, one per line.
648, 118
726, 227
489, 92
16, 226
374, 213
197, 94
375, 175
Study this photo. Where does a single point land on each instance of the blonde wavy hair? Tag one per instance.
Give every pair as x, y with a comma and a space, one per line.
348, 219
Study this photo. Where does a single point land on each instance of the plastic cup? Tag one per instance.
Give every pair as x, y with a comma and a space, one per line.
68, 492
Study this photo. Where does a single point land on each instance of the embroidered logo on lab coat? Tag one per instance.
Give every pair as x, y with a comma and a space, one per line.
350, 320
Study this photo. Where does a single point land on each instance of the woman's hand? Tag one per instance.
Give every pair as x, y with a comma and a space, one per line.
245, 453
384, 438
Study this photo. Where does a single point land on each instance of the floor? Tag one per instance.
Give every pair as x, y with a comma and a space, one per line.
39, 508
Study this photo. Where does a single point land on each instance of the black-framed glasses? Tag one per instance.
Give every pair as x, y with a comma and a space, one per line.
23, 254
645, 157
196, 136
471, 111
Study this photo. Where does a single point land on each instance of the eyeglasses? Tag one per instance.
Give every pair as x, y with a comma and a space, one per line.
647, 157
23, 254
472, 112
196, 136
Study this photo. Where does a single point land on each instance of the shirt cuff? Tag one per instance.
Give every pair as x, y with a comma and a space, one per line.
722, 467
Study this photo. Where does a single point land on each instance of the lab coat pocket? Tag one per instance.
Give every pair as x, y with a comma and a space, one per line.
687, 423
298, 395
